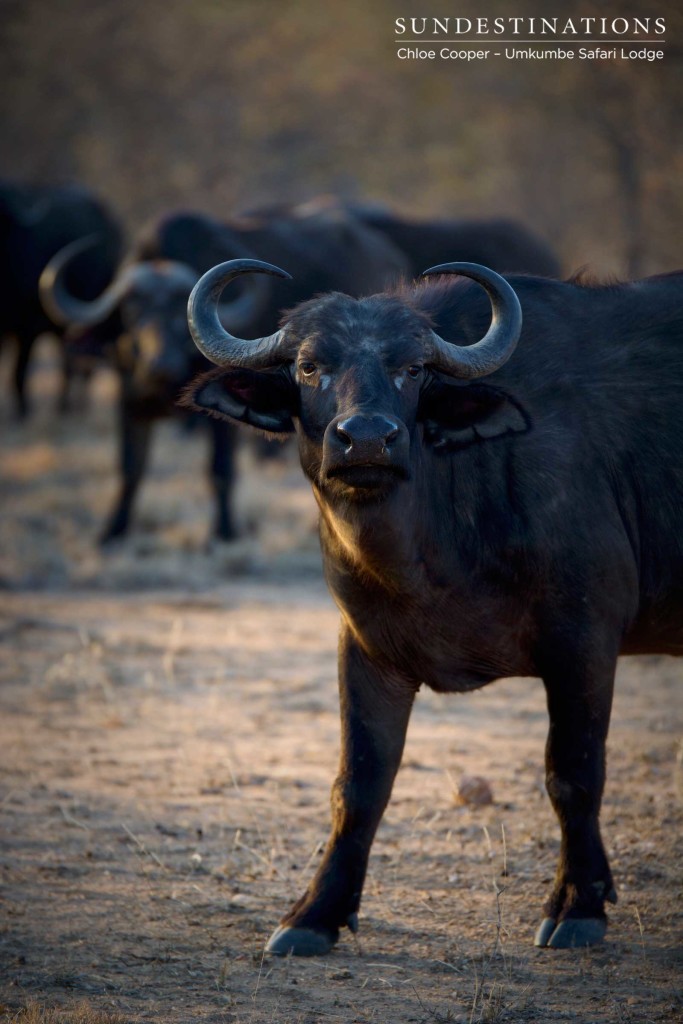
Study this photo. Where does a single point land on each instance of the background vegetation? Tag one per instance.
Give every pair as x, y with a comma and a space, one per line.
223, 105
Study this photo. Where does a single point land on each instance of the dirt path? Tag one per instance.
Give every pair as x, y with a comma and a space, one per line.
168, 736
166, 770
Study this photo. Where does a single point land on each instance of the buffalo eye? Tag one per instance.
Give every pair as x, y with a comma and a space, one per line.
414, 371
307, 368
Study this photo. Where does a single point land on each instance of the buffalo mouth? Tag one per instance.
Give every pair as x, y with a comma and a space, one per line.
367, 477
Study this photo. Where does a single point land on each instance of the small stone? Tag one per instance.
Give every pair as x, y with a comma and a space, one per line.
473, 789
341, 975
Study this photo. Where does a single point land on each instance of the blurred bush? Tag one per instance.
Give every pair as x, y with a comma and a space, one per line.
228, 104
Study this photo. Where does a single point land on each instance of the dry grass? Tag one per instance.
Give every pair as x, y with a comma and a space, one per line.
82, 1013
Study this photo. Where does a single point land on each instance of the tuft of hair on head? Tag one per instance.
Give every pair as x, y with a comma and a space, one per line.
586, 277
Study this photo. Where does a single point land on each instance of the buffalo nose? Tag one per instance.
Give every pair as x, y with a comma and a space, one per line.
358, 432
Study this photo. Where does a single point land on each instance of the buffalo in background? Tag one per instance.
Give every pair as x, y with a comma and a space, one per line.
501, 244
505, 246
140, 321
326, 247
35, 224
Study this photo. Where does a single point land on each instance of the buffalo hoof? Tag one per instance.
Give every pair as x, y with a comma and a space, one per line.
299, 942
571, 933
223, 538
112, 534
545, 930
109, 542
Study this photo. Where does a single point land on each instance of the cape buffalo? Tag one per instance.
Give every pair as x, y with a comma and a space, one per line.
141, 318
502, 245
35, 223
509, 506
326, 250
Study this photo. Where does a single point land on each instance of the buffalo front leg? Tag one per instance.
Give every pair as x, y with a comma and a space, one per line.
579, 706
77, 372
134, 440
375, 708
222, 470
22, 358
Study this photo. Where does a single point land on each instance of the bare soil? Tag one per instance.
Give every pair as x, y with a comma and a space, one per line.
168, 737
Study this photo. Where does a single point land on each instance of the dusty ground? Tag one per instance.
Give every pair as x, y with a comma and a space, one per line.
167, 741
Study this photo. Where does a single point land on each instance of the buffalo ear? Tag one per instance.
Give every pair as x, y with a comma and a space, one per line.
457, 415
265, 400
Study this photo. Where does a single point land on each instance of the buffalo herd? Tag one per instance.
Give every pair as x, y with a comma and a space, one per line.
496, 454
67, 273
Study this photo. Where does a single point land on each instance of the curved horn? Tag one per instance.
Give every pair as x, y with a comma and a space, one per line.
239, 313
64, 308
210, 336
499, 342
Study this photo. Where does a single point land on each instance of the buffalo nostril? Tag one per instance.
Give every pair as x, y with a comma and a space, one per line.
391, 435
344, 435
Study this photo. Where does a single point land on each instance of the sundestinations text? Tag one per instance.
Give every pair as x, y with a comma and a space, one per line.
590, 26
